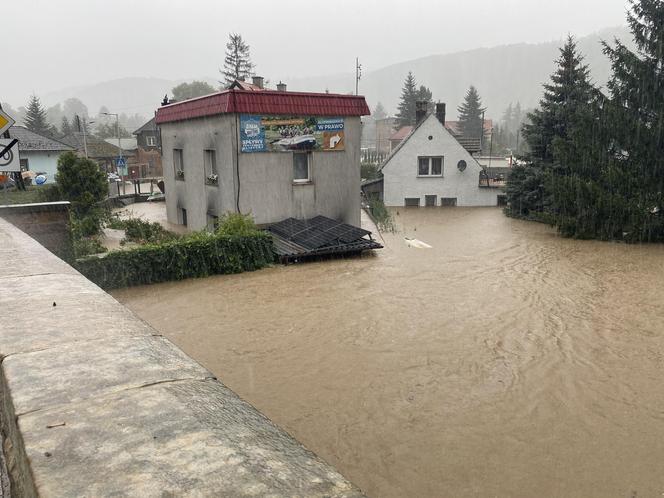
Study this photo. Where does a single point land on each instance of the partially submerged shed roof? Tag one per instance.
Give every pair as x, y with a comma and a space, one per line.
295, 239
264, 102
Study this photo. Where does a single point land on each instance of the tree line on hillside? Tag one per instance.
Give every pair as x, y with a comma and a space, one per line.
60, 121
595, 166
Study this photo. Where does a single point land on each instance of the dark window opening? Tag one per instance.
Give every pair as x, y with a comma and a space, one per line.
412, 201
430, 200
448, 201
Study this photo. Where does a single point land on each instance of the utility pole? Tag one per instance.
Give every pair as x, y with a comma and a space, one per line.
117, 132
117, 129
482, 134
358, 75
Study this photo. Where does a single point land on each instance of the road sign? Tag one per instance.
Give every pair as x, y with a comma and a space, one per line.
9, 160
121, 162
6, 121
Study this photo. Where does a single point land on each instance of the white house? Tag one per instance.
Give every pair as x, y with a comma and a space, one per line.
38, 153
431, 168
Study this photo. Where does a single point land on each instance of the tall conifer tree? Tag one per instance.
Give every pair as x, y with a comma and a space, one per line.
237, 62
470, 115
35, 117
406, 109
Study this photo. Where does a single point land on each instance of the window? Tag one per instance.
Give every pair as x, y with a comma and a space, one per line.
151, 141
301, 167
448, 201
430, 200
178, 164
183, 216
430, 166
24, 165
411, 201
210, 164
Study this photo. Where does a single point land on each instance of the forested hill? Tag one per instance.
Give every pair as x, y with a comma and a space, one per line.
502, 74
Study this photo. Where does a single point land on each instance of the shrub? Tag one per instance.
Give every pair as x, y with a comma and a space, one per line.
81, 182
369, 171
197, 255
49, 193
87, 245
381, 215
236, 224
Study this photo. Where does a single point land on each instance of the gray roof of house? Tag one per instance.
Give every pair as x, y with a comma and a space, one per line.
97, 147
125, 143
149, 126
31, 141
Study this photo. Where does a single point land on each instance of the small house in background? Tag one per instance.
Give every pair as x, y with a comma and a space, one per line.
397, 137
97, 149
272, 153
430, 167
148, 151
38, 153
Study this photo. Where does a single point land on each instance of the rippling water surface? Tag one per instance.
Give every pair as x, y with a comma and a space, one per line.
503, 362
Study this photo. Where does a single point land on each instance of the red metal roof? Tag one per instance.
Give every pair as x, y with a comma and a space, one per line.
272, 102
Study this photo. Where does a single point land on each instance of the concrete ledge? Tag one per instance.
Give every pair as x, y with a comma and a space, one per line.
46, 222
96, 403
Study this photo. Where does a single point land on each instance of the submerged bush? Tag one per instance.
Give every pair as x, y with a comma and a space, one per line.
85, 246
381, 215
236, 224
196, 255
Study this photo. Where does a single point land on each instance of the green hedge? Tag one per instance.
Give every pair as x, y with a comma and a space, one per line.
198, 255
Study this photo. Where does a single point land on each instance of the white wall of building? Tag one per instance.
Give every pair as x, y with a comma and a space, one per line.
401, 181
265, 183
42, 162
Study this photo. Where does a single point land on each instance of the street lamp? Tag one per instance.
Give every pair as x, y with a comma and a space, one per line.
117, 129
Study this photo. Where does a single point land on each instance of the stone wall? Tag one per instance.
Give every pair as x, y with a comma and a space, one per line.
95, 402
46, 222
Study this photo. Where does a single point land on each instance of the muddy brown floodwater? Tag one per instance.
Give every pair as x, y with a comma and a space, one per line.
502, 362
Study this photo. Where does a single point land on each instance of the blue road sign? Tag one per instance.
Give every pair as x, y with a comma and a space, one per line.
121, 162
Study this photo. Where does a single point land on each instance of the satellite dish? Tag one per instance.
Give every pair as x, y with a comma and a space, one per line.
40, 179
462, 165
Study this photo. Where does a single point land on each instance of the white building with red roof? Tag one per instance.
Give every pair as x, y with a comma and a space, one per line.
271, 153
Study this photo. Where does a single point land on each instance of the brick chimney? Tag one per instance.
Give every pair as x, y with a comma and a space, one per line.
281, 87
420, 111
257, 81
440, 112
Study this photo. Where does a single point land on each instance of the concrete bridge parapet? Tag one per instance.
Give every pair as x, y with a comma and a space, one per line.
95, 402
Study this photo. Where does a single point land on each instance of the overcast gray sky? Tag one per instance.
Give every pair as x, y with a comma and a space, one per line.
52, 44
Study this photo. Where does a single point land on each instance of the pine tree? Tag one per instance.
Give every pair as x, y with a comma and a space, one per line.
409, 95
65, 127
562, 138
569, 90
634, 121
35, 118
237, 62
379, 112
470, 115
425, 95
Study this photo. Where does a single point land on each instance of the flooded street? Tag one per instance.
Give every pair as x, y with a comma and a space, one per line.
502, 362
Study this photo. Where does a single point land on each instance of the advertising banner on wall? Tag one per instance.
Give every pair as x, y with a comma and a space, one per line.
284, 134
